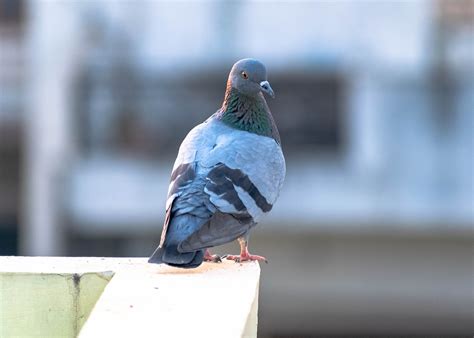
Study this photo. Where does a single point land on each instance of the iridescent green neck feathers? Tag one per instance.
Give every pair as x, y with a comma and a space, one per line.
248, 113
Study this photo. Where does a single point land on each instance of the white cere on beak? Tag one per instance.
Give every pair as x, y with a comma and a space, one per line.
265, 85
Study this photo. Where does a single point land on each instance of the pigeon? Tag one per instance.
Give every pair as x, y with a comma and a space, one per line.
228, 174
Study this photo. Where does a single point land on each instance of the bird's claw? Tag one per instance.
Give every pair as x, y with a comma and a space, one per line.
212, 258
244, 258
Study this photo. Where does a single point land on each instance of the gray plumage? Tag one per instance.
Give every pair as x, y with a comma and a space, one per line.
227, 175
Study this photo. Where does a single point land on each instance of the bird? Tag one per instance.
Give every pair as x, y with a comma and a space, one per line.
227, 175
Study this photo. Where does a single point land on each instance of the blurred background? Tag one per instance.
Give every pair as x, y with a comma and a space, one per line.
373, 232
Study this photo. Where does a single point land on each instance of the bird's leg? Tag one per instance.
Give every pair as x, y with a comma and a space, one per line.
208, 257
244, 253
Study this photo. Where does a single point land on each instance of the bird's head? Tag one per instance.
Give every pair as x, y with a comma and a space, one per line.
249, 77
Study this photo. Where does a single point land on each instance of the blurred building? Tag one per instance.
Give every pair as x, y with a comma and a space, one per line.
12, 80
373, 230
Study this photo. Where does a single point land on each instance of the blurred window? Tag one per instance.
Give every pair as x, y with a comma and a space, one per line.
123, 109
457, 12
11, 12
309, 110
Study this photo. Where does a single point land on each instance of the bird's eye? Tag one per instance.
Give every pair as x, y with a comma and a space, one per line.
244, 75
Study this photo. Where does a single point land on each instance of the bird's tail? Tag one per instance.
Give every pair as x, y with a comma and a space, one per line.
170, 255
157, 256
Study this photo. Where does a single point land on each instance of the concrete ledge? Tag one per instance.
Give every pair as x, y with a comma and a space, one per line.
54, 296
48, 297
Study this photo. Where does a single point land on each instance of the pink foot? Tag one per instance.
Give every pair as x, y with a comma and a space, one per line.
208, 257
246, 257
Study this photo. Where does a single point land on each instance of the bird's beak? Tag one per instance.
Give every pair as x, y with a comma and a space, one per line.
265, 85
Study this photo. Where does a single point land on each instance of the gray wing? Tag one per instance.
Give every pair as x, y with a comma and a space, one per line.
220, 229
232, 218
214, 223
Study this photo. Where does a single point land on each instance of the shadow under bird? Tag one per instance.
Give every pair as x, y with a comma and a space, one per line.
228, 174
